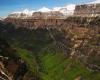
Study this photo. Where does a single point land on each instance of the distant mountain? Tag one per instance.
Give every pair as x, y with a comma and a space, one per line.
57, 12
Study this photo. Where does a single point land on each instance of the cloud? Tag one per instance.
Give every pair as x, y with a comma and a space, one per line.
95, 2
65, 10
44, 9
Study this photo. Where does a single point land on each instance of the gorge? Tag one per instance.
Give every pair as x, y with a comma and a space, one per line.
51, 48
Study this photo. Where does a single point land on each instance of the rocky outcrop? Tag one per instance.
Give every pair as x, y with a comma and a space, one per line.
11, 67
87, 10
3, 73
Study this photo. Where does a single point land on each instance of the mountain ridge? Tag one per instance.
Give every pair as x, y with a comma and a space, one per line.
90, 10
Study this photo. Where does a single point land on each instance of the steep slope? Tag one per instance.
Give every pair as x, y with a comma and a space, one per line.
58, 49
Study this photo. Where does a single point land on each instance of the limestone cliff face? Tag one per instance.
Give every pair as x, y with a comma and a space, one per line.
55, 23
35, 23
87, 10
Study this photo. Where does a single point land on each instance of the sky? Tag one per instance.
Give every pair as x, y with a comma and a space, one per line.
9, 6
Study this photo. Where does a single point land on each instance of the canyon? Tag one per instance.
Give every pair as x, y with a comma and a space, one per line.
51, 48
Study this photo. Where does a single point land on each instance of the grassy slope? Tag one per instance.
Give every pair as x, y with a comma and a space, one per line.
55, 66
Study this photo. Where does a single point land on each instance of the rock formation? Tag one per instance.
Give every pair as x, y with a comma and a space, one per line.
91, 10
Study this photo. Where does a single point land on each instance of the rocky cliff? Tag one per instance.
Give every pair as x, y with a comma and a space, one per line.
55, 23
87, 10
